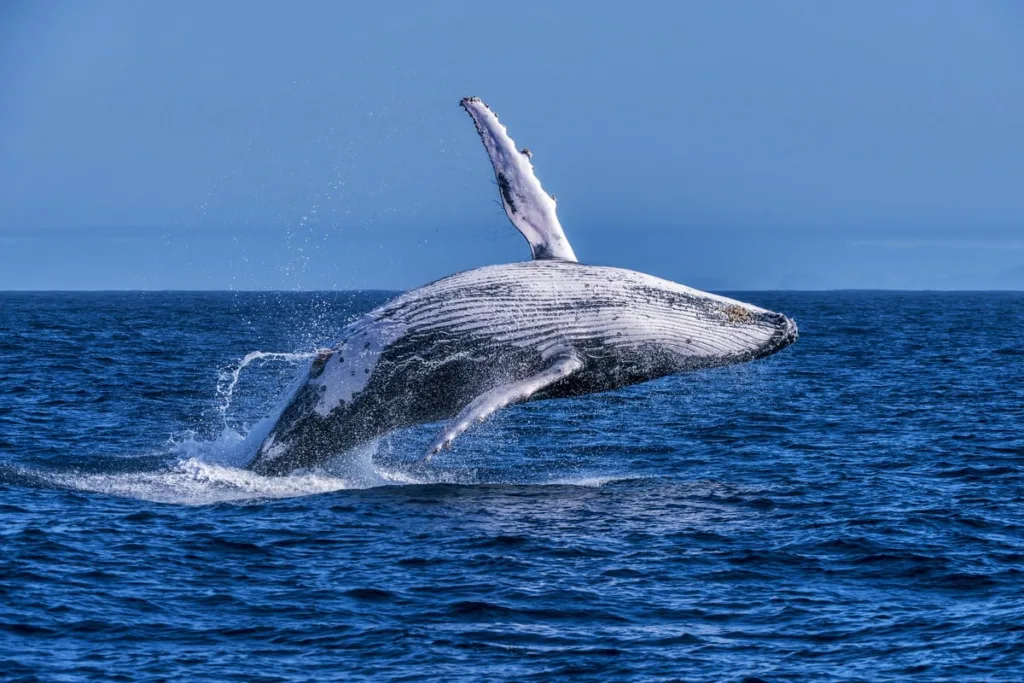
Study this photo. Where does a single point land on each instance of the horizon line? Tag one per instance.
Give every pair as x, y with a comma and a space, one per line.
383, 290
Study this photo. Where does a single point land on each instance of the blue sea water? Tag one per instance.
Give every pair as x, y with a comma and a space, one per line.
849, 509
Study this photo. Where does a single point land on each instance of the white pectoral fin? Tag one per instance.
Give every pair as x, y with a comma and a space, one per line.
480, 408
529, 207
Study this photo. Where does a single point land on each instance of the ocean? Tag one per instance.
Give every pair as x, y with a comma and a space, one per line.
851, 508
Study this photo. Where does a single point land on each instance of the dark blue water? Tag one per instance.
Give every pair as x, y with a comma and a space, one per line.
850, 509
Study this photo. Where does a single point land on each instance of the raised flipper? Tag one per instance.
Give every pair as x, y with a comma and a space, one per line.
480, 408
529, 207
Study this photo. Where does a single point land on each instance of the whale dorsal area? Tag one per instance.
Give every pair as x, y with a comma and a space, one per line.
529, 207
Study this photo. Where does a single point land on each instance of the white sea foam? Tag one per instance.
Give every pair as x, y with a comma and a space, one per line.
211, 471
193, 482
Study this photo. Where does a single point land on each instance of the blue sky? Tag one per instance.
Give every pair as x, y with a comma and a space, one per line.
731, 145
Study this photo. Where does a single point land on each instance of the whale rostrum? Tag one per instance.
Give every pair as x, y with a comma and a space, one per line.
467, 345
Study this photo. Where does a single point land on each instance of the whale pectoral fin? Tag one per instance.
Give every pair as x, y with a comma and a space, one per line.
529, 207
480, 408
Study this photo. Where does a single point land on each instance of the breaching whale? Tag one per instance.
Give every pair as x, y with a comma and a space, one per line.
462, 347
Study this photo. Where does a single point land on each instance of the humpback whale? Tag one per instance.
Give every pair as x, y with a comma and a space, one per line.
465, 346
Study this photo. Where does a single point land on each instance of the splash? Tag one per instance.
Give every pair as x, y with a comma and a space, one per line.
195, 482
229, 376
208, 471
206, 477
204, 471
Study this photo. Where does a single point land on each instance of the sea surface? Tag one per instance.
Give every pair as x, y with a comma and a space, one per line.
849, 509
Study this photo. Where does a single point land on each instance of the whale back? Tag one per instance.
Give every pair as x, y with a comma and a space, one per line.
551, 305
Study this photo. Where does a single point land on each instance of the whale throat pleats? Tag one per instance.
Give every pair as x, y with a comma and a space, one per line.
529, 207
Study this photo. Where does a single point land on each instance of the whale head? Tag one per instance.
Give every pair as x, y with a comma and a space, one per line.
680, 328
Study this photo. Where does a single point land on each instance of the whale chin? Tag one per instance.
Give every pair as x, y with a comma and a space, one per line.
786, 334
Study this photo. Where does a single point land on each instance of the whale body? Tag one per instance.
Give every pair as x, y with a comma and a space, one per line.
462, 347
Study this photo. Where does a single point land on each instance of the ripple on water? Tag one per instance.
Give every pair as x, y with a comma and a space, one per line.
850, 507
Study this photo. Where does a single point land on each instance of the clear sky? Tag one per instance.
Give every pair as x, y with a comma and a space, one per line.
726, 145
